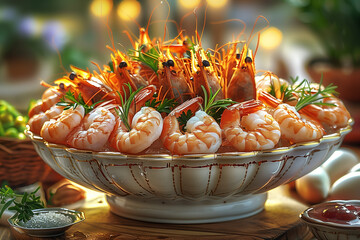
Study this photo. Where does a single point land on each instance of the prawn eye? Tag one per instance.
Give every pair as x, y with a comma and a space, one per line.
205, 63
170, 63
62, 85
165, 64
122, 64
72, 76
238, 56
248, 60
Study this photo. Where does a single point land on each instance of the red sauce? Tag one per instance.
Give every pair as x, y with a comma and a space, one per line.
337, 213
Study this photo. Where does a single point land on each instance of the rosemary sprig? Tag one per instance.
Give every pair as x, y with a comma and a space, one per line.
214, 107
126, 101
149, 58
24, 207
286, 91
307, 95
165, 105
74, 102
184, 118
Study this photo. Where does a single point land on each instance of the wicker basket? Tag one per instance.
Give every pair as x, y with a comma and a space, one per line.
20, 165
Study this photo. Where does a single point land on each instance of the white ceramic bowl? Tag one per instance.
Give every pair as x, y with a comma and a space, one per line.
331, 230
192, 188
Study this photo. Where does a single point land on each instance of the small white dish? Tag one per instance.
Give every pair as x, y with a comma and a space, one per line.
332, 228
76, 217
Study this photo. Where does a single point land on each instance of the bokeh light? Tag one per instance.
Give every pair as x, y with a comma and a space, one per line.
189, 3
217, 3
271, 38
101, 8
128, 9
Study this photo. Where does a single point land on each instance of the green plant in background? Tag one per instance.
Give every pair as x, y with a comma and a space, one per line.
12, 123
336, 22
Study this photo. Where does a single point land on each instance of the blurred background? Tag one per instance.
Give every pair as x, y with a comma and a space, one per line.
39, 40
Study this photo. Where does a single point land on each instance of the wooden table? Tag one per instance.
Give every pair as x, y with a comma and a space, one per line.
279, 220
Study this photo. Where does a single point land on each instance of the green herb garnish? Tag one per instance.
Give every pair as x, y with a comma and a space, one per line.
149, 58
126, 102
215, 108
165, 105
75, 102
285, 91
184, 118
24, 207
307, 95
111, 66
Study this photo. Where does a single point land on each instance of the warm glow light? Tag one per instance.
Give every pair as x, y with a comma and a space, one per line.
189, 3
129, 9
101, 8
271, 38
217, 3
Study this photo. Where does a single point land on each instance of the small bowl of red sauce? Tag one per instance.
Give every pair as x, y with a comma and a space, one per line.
338, 219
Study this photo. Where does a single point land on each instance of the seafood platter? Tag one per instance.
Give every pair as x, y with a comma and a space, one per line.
176, 133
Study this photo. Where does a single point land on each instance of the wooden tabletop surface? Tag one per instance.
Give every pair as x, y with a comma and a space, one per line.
279, 220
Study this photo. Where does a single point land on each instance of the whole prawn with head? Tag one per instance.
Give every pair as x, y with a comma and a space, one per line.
241, 86
173, 80
248, 127
202, 133
204, 73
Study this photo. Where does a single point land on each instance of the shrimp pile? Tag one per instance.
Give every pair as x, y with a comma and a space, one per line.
180, 98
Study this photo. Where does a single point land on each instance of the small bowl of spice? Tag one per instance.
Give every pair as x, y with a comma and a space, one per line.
338, 219
48, 222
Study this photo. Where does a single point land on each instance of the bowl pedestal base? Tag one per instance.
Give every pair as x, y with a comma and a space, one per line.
187, 212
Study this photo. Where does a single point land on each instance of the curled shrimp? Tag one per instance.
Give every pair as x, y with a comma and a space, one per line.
94, 131
37, 121
332, 115
203, 133
249, 128
295, 127
57, 130
146, 127
48, 99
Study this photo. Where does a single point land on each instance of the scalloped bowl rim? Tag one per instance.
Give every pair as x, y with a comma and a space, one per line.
162, 156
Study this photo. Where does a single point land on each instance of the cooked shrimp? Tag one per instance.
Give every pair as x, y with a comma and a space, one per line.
49, 98
203, 133
295, 127
146, 127
249, 128
241, 86
94, 131
330, 116
57, 130
37, 121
